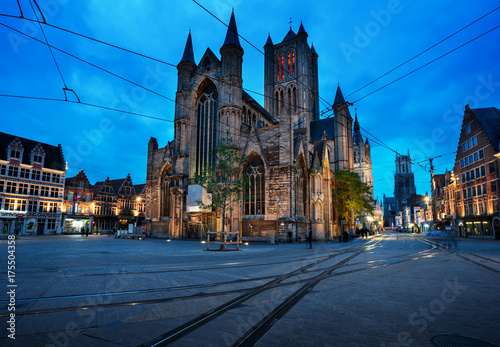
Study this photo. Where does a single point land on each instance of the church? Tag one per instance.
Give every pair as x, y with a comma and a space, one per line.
290, 152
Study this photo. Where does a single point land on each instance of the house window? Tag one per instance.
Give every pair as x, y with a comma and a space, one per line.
46, 176
2, 183
24, 173
51, 224
10, 187
9, 204
13, 171
56, 178
45, 191
35, 175
15, 154
37, 158
32, 206
88, 198
80, 184
493, 187
34, 190
3, 169
467, 128
23, 188
492, 167
481, 154
483, 171
54, 192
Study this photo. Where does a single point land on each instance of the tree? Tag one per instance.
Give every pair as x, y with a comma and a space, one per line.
223, 180
351, 195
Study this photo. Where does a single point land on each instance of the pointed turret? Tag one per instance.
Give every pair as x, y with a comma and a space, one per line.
232, 33
339, 98
269, 40
357, 137
188, 56
313, 51
301, 31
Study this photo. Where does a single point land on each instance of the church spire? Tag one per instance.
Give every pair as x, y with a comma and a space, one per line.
357, 137
232, 33
269, 40
188, 56
339, 98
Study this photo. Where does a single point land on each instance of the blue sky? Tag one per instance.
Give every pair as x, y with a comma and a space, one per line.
357, 41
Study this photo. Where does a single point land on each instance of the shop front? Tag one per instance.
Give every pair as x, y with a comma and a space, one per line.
30, 223
75, 225
479, 227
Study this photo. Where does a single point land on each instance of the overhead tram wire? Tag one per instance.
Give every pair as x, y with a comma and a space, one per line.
417, 69
258, 50
424, 51
111, 73
91, 38
48, 45
273, 61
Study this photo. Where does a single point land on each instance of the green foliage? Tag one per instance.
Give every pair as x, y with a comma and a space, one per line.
351, 195
223, 180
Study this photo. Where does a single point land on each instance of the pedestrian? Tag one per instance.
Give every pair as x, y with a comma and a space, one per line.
346, 236
309, 237
86, 232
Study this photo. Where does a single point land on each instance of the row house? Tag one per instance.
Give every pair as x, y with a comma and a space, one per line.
104, 207
476, 174
78, 203
32, 178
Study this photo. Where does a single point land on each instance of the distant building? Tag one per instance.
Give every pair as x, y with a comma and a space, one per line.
105, 207
477, 173
389, 206
78, 209
404, 181
32, 178
362, 155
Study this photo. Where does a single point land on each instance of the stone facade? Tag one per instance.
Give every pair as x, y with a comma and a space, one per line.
290, 151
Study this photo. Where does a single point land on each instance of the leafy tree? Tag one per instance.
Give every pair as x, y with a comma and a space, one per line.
223, 180
351, 195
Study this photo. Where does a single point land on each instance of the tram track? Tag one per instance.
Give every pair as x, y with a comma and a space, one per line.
264, 325
462, 254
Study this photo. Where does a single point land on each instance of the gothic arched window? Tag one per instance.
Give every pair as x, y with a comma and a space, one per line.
255, 196
206, 125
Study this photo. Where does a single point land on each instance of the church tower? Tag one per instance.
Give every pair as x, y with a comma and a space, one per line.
291, 78
230, 113
404, 181
344, 157
362, 155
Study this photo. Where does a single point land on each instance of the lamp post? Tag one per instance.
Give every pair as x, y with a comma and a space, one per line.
426, 208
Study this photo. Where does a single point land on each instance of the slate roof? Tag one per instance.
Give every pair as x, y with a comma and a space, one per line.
319, 126
357, 137
139, 188
255, 104
339, 98
54, 158
489, 119
188, 56
289, 36
232, 33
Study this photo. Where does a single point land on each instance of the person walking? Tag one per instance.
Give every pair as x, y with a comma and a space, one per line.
346, 236
86, 232
309, 237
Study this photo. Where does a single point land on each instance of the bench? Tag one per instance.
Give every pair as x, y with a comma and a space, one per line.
225, 240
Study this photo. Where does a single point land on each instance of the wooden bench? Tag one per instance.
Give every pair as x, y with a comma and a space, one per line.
224, 241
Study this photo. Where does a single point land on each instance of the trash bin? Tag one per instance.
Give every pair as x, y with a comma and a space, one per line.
271, 240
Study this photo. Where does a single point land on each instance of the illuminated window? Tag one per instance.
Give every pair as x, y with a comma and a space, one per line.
293, 63
289, 64
279, 72
282, 67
